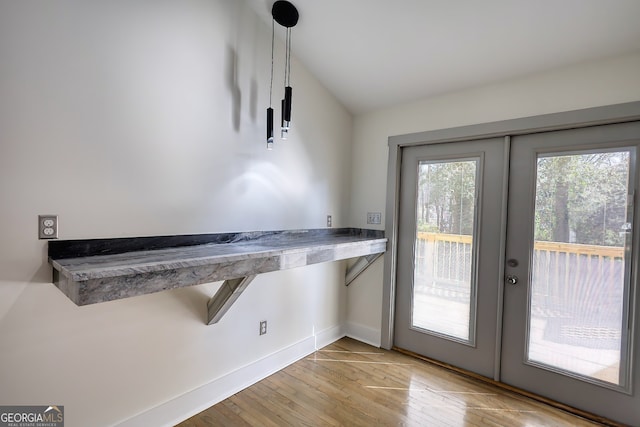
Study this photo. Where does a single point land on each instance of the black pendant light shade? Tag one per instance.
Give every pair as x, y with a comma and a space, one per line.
282, 115
284, 130
288, 92
285, 14
269, 128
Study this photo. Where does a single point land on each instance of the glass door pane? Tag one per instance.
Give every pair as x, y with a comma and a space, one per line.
449, 257
569, 294
579, 267
444, 264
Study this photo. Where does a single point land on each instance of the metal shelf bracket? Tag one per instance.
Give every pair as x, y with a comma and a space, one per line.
360, 265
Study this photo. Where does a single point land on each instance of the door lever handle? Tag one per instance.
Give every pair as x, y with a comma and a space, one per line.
512, 280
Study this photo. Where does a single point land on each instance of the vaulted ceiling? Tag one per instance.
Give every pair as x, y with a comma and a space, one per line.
377, 53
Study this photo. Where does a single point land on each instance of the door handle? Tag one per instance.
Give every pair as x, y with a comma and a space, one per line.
512, 280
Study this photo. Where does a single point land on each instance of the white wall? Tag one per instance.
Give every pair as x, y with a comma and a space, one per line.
613, 81
148, 118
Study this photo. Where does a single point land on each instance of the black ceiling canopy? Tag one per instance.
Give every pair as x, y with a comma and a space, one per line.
285, 13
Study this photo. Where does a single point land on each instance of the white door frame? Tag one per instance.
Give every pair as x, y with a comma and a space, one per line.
618, 113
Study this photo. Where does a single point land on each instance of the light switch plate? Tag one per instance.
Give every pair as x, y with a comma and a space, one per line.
374, 217
47, 227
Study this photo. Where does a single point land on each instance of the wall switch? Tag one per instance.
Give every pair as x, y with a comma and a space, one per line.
263, 327
329, 221
47, 227
374, 217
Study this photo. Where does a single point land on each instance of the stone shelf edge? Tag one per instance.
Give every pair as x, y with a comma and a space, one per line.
101, 270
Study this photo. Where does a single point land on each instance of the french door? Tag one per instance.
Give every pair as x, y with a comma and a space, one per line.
568, 314
534, 286
449, 253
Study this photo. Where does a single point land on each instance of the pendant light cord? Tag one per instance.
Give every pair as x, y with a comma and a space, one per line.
271, 84
287, 62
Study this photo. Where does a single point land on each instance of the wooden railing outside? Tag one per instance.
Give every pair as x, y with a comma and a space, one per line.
565, 274
571, 248
444, 258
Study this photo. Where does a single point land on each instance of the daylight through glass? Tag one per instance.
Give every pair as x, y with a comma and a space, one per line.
444, 247
579, 268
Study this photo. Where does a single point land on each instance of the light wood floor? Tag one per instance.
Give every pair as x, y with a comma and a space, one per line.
352, 384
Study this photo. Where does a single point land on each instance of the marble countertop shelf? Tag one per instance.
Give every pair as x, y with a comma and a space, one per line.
100, 270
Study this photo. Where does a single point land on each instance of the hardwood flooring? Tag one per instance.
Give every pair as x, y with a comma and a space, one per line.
349, 383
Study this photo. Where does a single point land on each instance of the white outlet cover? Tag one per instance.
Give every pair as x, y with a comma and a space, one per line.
48, 227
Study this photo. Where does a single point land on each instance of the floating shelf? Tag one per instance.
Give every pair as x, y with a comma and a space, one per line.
100, 270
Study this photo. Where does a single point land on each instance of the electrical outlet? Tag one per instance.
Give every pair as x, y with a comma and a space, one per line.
374, 217
329, 221
47, 227
263, 327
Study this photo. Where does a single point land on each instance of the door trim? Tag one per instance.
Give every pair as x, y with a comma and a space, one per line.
503, 250
609, 114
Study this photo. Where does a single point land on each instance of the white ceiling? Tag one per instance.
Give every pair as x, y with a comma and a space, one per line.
376, 53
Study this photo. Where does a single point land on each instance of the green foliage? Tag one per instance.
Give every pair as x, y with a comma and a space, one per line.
581, 198
446, 197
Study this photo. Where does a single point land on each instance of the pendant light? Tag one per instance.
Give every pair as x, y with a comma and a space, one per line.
270, 109
285, 14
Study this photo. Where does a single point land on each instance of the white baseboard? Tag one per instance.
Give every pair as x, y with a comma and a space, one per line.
191, 403
328, 336
363, 333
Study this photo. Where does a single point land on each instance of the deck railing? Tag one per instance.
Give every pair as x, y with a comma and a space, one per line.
561, 271
577, 290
